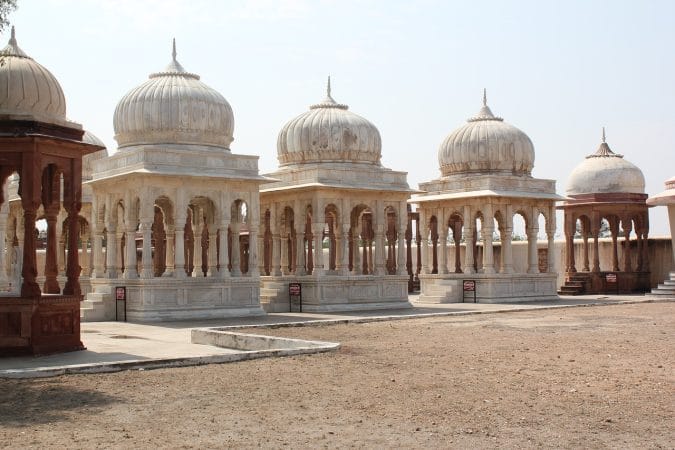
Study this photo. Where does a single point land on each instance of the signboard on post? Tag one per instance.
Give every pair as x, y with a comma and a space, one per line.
295, 296
121, 296
611, 278
469, 286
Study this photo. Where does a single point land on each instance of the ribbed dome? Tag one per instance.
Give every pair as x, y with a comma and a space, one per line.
87, 160
329, 132
486, 144
605, 172
28, 90
174, 107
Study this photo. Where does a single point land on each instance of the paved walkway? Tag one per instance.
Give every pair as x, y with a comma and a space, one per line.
118, 345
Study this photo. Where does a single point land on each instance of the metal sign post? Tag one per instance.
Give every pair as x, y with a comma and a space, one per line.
612, 278
294, 296
469, 286
121, 296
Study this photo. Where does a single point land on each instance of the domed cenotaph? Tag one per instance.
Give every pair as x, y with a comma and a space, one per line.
335, 219
485, 181
177, 210
667, 198
41, 154
606, 195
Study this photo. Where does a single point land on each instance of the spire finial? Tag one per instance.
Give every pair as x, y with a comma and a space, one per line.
484, 97
12, 38
173, 52
328, 86
603, 135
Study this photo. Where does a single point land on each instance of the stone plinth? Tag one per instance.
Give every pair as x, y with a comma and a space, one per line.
167, 299
330, 293
490, 288
38, 326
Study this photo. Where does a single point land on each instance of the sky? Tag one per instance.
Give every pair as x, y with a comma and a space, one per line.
559, 71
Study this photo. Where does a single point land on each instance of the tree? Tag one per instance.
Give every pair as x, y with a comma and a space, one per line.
6, 7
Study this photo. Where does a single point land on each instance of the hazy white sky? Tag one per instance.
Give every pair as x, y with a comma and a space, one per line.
557, 70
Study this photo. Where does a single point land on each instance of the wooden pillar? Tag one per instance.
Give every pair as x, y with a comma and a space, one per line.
72, 201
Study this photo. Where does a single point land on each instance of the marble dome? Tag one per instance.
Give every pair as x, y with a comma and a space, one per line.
88, 160
486, 144
28, 91
174, 107
605, 172
329, 132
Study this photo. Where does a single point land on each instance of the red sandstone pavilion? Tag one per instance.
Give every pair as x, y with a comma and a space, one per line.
45, 149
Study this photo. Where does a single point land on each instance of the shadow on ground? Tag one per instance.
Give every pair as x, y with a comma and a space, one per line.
30, 402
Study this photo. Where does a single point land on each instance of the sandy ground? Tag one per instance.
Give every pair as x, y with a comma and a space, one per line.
594, 377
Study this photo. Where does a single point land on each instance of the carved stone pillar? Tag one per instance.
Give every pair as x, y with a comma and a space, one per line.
645, 251
424, 243
457, 237
51, 285
131, 259
197, 227
236, 250
300, 263
73, 268
401, 264
595, 232
488, 257
343, 264
356, 254
380, 262
317, 231
507, 250
146, 255
584, 235
170, 260
284, 254
179, 252
532, 255
86, 267
253, 269
443, 249
223, 251
469, 244
627, 228
111, 252
212, 254
550, 236
276, 254
614, 228
29, 287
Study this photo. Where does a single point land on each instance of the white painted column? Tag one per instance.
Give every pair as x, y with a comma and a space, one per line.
85, 266
197, 228
261, 255
487, 229
130, 258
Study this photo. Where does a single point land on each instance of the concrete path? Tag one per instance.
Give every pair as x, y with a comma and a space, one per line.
115, 346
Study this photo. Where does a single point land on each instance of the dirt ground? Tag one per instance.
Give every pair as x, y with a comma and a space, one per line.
594, 377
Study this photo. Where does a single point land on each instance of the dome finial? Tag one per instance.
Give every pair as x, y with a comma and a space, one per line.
12, 38
328, 87
603, 135
484, 97
173, 52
